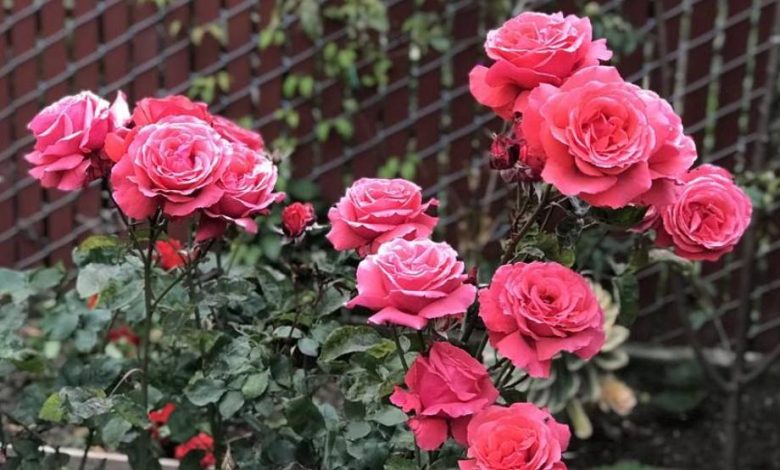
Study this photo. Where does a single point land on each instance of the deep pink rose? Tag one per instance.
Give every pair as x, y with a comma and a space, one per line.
708, 218
534, 311
247, 186
607, 141
152, 110
69, 139
411, 282
374, 211
444, 390
530, 49
174, 164
237, 134
518, 437
297, 218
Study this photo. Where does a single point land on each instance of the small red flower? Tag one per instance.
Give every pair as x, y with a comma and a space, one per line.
92, 301
123, 332
159, 418
203, 442
296, 217
170, 254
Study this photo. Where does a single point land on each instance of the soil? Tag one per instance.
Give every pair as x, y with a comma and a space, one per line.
688, 438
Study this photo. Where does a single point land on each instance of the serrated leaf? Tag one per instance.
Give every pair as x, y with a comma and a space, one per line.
255, 385
347, 340
230, 403
52, 409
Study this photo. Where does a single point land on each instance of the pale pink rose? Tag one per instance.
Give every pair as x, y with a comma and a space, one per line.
708, 218
535, 311
152, 110
237, 134
410, 282
173, 164
248, 191
69, 139
530, 49
518, 437
607, 141
445, 388
374, 211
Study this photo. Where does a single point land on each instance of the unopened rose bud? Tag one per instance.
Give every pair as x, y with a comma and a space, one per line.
503, 153
296, 218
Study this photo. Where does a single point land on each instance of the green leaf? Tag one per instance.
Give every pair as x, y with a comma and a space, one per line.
308, 347
625, 217
205, 391
389, 416
94, 278
231, 402
357, 430
349, 339
255, 385
114, 431
626, 292
52, 409
304, 417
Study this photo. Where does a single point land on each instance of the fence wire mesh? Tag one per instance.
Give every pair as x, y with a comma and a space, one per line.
710, 58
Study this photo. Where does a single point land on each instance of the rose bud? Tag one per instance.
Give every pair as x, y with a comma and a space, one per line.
296, 218
503, 152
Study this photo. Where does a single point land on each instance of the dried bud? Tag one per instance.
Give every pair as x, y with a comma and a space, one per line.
503, 152
296, 218
616, 396
473, 276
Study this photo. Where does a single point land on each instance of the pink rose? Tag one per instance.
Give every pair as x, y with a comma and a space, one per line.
374, 211
69, 139
297, 218
237, 134
534, 311
709, 216
445, 389
174, 164
247, 186
411, 282
518, 437
152, 110
607, 141
530, 49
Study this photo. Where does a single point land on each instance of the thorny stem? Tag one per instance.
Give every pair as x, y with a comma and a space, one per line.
519, 234
149, 306
398, 348
87, 445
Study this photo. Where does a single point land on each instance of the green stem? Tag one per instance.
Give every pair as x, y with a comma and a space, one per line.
398, 348
481, 347
87, 445
518, 236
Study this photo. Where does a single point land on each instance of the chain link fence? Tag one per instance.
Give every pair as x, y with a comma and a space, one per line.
714, 60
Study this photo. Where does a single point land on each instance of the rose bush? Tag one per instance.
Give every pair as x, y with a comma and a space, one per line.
249, 351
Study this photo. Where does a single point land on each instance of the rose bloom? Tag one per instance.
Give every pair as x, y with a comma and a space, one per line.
374, 211
170, 254
152, 110
530, 49
410, 282
708, 218
296, 218
173, 164
201, 441
444, 390
247, 187
534, 311
607, 141
518, 437
69, 139
237, 134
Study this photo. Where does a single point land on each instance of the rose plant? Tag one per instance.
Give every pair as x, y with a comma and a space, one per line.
371, 345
